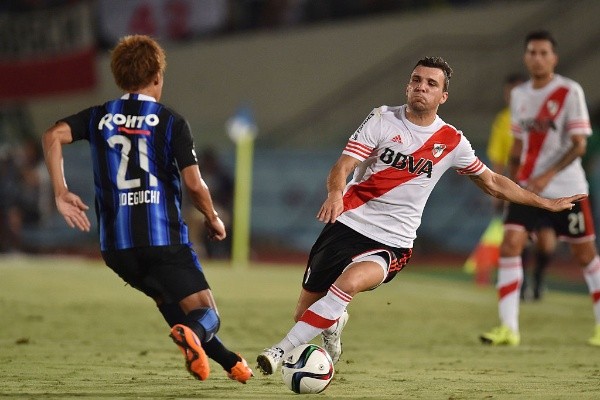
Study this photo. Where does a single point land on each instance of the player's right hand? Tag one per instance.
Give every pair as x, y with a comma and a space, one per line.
73, 209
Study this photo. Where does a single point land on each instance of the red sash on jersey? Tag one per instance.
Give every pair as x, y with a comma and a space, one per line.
537, 136
385, 180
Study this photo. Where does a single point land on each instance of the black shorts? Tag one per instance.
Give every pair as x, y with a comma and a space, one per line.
166, 273
336, 247
569, 225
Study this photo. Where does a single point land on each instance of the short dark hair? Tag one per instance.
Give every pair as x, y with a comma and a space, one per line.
541, 35
437, 62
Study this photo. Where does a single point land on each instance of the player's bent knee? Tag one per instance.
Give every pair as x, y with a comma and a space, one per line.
365, 273
205, 322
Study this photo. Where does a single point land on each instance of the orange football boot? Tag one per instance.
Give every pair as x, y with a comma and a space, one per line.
240, 371
196, 360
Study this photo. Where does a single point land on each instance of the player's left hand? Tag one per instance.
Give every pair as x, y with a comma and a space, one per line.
565, 203
216, 229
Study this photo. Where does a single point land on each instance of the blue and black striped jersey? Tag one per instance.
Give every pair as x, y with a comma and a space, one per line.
138, 147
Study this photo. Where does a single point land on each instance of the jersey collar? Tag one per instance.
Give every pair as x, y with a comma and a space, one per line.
137, 96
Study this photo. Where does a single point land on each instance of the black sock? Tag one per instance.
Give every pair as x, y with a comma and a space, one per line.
172, 313
215, 349
542, 260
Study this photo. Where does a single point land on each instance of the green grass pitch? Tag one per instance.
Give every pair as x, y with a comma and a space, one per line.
70, 328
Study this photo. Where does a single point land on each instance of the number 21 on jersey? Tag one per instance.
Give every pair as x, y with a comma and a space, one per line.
125, 142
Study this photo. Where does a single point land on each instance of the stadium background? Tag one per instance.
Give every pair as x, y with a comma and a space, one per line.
309, 72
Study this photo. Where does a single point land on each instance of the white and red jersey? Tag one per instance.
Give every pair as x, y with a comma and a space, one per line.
400, 164
544, 119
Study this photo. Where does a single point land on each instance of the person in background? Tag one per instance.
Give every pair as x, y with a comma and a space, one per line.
551, 125
142, 153
221, 184
498, 152
397, 155
10, 213
24, 199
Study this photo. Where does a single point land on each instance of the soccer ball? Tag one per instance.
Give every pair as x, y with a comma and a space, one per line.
307, 369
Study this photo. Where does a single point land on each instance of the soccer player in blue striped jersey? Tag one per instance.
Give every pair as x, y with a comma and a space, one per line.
142, 155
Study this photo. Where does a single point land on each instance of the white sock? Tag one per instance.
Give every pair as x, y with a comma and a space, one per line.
591, 273
510, 277
320, 315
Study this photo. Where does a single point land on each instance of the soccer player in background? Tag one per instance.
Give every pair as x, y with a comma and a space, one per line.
142, 152
397, 154
498, 152
550, 122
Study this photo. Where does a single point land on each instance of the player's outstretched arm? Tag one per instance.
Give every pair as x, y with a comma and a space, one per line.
503, 188
69, 205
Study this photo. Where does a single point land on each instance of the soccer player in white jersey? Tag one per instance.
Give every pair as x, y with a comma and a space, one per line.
397, 154
551, 125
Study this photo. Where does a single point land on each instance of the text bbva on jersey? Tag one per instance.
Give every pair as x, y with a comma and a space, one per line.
407, 162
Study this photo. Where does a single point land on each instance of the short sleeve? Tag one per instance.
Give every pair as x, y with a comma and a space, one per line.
466, 162
578, 119
79, 124
365, 139
183, 145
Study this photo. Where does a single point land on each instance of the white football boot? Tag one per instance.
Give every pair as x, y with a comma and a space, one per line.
269, 360
332, 337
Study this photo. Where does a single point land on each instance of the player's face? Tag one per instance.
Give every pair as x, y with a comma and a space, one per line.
540, 58
425, 90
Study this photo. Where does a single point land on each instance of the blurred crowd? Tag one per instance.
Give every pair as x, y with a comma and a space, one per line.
25, 196
26, 201
190, 19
